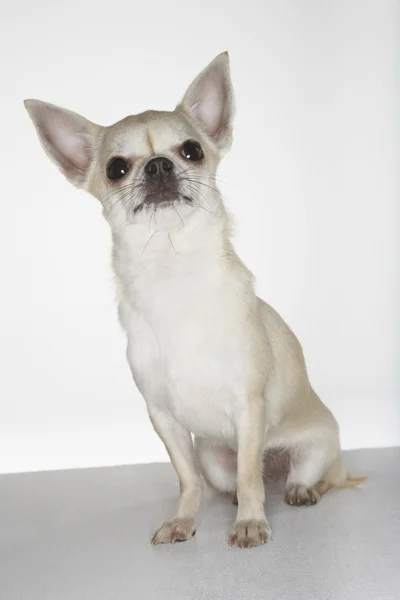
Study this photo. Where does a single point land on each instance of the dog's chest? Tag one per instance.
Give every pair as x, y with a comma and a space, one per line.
186, 348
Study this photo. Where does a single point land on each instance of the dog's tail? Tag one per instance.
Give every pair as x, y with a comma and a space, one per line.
351, 482
337, 478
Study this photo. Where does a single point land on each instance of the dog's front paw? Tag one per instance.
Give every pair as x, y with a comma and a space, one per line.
246, 534
177, 530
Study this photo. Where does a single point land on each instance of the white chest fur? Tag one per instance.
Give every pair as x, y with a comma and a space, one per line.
185, 306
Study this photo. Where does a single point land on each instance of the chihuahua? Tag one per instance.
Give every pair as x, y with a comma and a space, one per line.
209, 357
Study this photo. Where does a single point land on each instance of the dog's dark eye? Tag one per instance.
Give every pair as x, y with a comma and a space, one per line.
191, 150
117, 168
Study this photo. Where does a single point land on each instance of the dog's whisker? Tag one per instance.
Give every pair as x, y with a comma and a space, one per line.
127, 199
206, 209
183, 224
127, 194
152, 216
201, 183
119, 190
197, 176
203, 192
171, 242
198, 195
148, 241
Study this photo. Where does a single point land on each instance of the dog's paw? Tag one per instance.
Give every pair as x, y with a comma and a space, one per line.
177, 530
302, 496
246, 534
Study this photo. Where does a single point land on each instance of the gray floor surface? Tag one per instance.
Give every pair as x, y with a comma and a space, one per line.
84, 535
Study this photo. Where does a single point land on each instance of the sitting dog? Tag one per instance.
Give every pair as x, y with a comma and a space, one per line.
209, 357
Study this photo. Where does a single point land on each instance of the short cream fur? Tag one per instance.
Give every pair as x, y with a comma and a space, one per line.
209, 357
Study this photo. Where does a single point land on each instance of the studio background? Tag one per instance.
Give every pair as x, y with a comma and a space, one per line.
310, 181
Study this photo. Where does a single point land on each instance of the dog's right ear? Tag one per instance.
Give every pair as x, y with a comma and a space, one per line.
67, 138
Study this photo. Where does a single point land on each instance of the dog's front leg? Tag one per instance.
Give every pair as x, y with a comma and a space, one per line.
179, 445
251, 527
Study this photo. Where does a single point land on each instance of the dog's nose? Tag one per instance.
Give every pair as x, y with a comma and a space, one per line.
159, 166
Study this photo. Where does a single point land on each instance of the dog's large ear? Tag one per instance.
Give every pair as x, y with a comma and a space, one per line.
209, 102
67, 138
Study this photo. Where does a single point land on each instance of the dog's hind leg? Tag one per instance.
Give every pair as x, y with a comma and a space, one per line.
314, 469
308, 465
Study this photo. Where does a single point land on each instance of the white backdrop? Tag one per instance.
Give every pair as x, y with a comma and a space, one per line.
310, 179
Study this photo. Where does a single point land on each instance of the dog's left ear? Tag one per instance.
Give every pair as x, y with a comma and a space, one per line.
209, 102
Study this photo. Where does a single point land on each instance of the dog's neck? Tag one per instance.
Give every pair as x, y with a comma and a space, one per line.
171, 237
191, 253
180, 276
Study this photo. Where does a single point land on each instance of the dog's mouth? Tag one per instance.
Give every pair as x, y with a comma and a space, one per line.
164, 195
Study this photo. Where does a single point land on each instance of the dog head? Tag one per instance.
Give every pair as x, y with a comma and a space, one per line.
147, 162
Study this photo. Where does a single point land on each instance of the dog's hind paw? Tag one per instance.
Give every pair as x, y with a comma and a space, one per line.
302, 496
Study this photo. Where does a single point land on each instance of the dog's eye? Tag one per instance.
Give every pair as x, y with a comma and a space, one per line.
117, 168
191, 150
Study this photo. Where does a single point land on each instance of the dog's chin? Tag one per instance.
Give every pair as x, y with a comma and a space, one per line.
163, 197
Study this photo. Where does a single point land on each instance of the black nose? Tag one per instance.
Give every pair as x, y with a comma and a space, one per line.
159, 166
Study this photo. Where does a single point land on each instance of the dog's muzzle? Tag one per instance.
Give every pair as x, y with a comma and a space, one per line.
160, 181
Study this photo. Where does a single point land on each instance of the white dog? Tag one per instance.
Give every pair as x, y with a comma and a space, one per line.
210, 358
